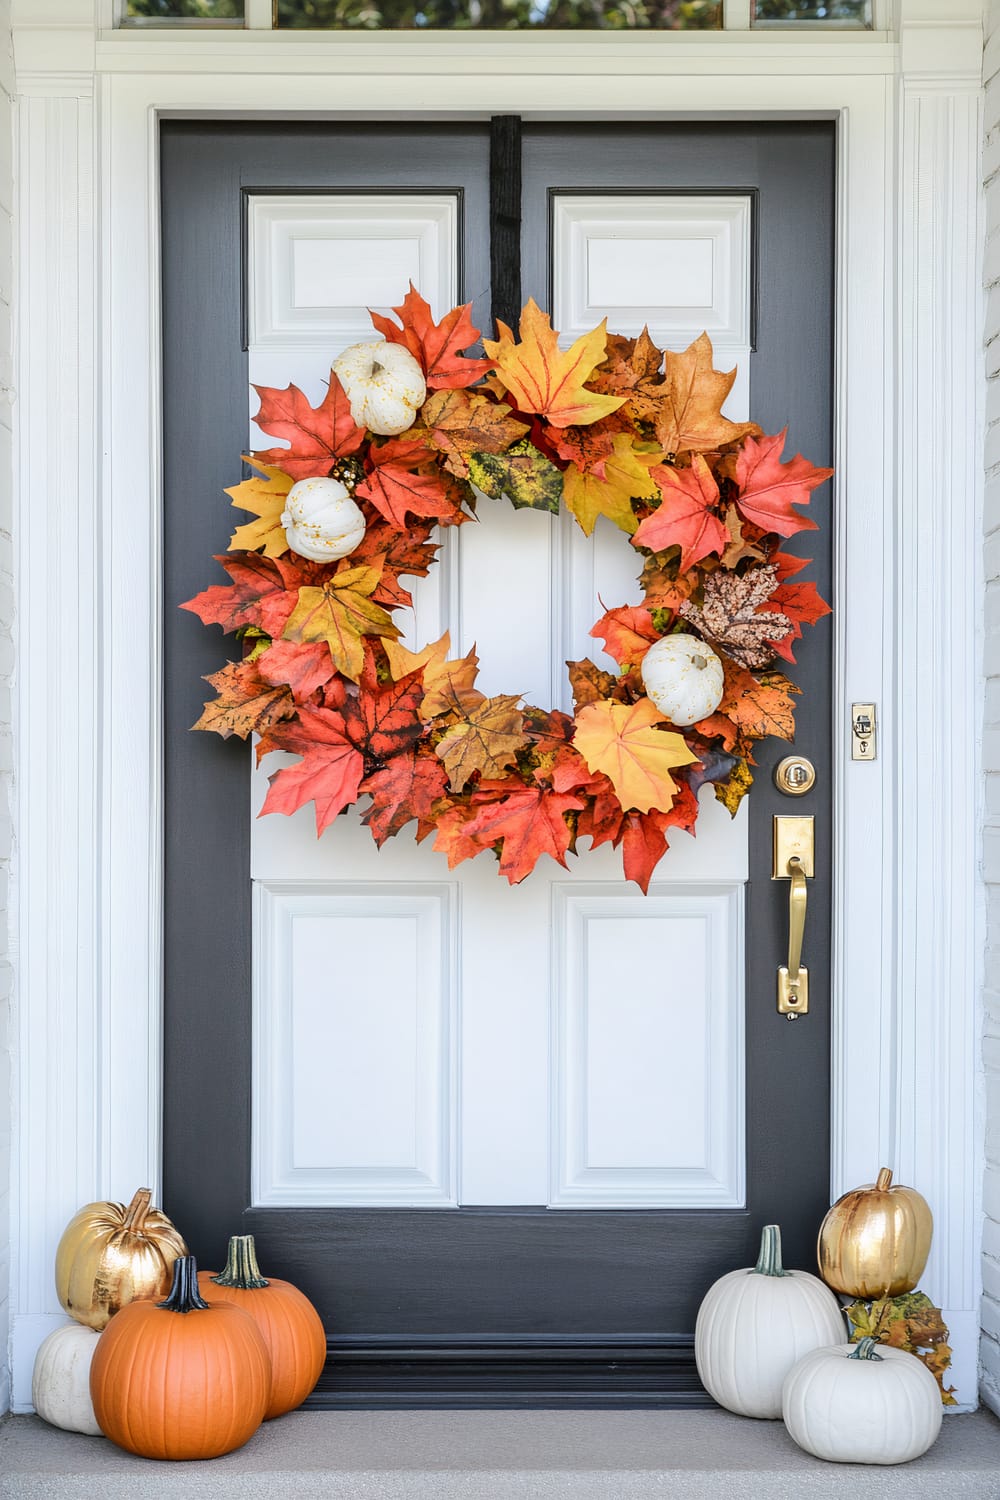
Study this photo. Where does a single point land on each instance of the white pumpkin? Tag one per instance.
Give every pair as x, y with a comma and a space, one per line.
853, 1405
321, 520
683, 677
384, 384
755, 1324
60, 1383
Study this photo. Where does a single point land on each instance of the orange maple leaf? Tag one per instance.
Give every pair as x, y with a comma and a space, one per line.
769, 488
624, 741
685, 407
246, 702
435, 346
685, 517
544, 379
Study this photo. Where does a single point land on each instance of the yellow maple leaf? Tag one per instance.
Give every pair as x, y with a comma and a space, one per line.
432, 658
685, 407
542, 378
341, 613
265, 498
624, 741
485, 739
626, 477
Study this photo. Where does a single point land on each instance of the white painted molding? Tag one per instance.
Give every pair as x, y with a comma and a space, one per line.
97, 1122
327, 1130
648, 1099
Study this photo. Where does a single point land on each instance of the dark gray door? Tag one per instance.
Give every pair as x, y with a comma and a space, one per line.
475, 1305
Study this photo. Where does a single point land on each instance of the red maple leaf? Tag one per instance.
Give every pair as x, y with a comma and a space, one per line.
256, 580
301, 667
316, 435
436, 346
406, 788
787, 565
685, 517
400, 485
529, 821
627, 633
384, 718
802, 604
408, 551
643, 836
769, 488
328, 774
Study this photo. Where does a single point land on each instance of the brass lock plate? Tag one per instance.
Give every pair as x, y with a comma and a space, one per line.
793, 839
793, 1000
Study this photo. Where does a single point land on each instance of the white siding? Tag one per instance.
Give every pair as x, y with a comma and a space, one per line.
990, 1347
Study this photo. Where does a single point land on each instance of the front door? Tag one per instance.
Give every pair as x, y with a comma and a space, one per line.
504, 1137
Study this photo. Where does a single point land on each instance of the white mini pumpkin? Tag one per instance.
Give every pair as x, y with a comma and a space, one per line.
60, 1383
753, 1326
851, 1405
321, 520
683, 677
384, 384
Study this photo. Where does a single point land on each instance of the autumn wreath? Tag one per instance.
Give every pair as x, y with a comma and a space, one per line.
408, 432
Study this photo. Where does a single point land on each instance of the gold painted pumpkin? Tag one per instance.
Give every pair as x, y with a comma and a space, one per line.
875, 1240
110, 1255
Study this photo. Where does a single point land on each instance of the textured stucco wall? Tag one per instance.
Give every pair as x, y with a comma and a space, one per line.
991, 738
6, 662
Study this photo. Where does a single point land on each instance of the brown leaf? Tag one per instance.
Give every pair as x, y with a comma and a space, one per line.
246, 703
486, 738
730, 619
460, 423
685, 408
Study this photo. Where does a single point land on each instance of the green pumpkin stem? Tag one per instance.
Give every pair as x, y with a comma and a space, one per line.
184, 1294
769, 1259
865, 1349
241, 1269
135, 1214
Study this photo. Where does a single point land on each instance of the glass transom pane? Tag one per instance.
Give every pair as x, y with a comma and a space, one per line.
822, 12
184, 10
501, 15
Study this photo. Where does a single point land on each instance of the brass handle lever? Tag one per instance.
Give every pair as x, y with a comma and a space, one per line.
793, 980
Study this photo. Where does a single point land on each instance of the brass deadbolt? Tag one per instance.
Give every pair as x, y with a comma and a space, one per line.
795, 775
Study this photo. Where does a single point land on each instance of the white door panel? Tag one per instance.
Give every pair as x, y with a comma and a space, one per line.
430, 1038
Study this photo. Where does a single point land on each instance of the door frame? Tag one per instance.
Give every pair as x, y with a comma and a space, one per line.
907, 918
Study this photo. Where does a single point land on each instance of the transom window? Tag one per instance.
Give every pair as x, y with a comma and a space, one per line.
499, 15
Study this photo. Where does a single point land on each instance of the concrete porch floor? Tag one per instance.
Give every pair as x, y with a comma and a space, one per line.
481, 1455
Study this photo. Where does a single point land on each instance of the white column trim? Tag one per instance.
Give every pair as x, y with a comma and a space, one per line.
880, 977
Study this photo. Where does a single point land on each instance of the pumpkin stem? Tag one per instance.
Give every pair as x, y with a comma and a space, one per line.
135, 1214
884, 1180
865, 1349
769, 1259
242, 1269
184, 1294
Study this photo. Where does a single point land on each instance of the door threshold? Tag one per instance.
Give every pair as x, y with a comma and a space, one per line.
698, 1455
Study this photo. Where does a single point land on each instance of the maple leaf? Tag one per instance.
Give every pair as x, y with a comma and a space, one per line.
264, 498
406, 788
664, 587
768, 488
686, 406
431, 658
623, 476
549, 730
340, 613
730, 617
737, 548
627, 633
735, 787
911, 1323
329, 773
525, 476
317, 435
625, 742
758, 706
397, 489
629, 363
450, 686
395, 552
246, 703
460, 423
643, 836
528, 821
685, 517
435, 346
589, 448
544, 379
384, 719
301, 668
255, 580
486, 738
802, 605
590, 684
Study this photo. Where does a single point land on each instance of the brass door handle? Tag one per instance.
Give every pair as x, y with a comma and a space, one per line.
793, 979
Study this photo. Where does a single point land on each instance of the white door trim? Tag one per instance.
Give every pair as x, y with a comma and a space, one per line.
906, 921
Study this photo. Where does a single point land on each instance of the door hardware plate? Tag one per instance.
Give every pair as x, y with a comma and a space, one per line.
793, 1002
793, 839
795, 775
864, 745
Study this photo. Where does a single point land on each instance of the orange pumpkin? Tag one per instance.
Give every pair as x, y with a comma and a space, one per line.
290, 1324
875, 1240
180, 1379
